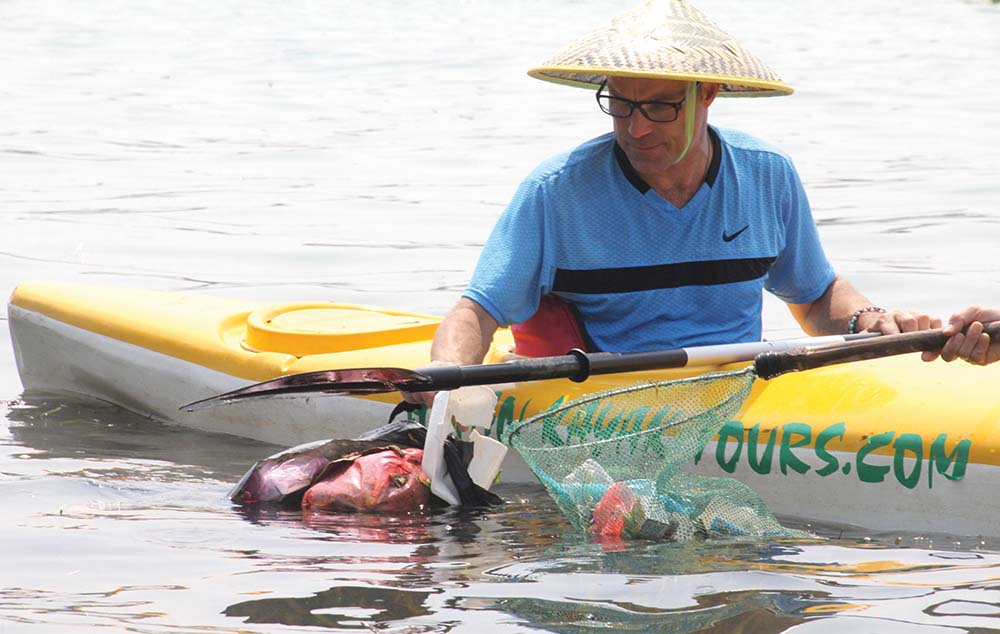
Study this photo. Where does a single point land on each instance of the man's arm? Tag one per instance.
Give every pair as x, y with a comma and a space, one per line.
465, 335
463, 338
832, 312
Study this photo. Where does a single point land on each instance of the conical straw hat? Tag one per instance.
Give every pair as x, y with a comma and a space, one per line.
664, 39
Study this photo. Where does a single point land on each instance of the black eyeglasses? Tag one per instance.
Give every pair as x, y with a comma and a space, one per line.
621, 108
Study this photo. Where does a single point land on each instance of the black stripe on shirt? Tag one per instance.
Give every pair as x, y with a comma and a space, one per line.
645, 278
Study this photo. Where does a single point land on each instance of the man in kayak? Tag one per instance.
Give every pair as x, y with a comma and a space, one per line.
663, 233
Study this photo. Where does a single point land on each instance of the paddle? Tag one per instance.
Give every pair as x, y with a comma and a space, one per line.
771, 358
771, 364
576, 366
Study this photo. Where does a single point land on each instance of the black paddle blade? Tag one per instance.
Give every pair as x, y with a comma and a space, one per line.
333, 382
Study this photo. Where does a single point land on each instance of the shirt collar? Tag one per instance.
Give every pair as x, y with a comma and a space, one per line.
642, 186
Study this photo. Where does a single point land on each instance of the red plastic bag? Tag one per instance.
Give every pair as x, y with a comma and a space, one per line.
612, 513
389, 480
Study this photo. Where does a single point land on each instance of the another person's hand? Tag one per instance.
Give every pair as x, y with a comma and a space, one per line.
424, 398
973, 345
895, 322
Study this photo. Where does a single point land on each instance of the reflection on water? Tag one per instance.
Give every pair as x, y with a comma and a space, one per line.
340, 607
757, 588
705, 588
61, 427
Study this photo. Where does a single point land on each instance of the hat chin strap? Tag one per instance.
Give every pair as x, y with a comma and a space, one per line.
690, 97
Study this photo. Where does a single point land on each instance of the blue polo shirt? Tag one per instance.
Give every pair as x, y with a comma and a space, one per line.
642, 273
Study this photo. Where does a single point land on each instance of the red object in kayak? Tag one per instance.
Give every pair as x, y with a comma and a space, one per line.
389, 480
553, 330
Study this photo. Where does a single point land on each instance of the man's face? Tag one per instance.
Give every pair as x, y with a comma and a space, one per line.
653, 147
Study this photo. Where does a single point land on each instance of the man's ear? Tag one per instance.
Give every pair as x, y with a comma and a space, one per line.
709, 92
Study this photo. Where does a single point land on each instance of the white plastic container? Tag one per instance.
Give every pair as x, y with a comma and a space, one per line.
470, 406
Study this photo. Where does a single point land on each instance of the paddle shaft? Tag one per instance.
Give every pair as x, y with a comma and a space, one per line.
771, 364
578, 366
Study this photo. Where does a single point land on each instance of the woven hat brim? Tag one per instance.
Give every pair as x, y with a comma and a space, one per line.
663, 39
593, 77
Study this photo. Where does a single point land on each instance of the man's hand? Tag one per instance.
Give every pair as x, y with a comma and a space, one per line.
833, 312
895, 322
424, 398
973, 345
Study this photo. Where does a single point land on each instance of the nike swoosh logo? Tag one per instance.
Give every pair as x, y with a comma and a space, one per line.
730, 237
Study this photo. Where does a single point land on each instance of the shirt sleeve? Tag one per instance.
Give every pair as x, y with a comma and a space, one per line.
801, 273
508, 280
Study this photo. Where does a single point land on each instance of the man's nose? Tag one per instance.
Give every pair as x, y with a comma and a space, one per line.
638, 124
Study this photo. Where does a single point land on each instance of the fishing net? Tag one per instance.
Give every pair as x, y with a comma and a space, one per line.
614, 461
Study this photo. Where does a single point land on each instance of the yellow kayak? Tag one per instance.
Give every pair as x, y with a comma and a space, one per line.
885, 444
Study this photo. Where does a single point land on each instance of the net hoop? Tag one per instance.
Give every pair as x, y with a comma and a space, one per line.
747, 373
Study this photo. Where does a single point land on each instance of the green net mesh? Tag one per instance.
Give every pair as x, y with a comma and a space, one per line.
613, 461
